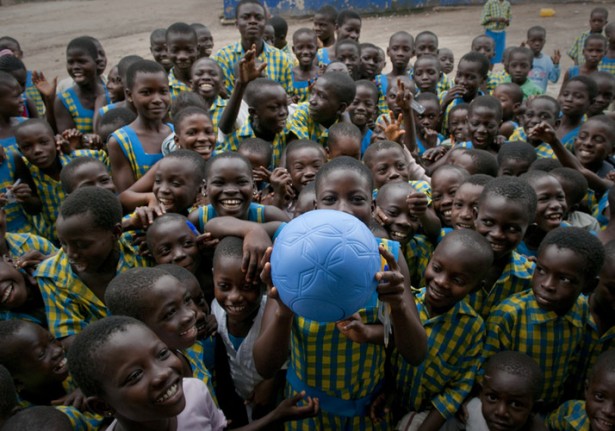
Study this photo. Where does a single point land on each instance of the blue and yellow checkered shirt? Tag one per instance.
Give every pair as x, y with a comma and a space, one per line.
543, 150
304, 127
607, 65
516, 277
570, 416
494, 79
495, 9
21, 243
519, 324
232, 142
446, 376
256, 213
194, 354
34, 95
576, 50
69, 304
278, 67
83, 118
176, 87
417, 253
17, 220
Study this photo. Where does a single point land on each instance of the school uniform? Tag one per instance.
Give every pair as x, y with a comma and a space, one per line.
176, 87
82, 117
496, 30
132, 148
417, 253
304, 127
576, 50
22, 243
446, 376
103, 110
256, 213
10, 143
382, 82
194, 355
301, 89
232, 142
494, 79
456, 101
570, 416
607, 64
519, 324
322, 57
569, 138
69, 304
17, 220
516, 277
543, 150
34, 95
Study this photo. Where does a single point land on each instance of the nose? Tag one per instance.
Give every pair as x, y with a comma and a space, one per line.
57, 349
501, 410
497, 233
393, 174
178, 254
548, 283
466, 213
234, 295
161, 374
310, 174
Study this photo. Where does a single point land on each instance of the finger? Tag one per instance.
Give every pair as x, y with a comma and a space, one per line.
389, 258
261, 68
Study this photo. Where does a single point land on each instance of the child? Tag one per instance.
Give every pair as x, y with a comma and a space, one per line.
447, 60
390, 162
280, 31
510, 96
465, 203
509, 395
325, 19
114, 120
343, 184
206, 78
20, 297
427, 73
506, 207
484, 119
426, 42
204, 39
598, 18
596, 412
40, 169
348, 51
84, 172
74, 108
594, 50
11, 105
330, 97
541, 108
515, 158
575, 98
37, 363
344, 140
182, 49
479, 162
73, 281
363, 110
135, 148
15, 67
608, 61
544, 68
347, 26
495, 17
259, 153
305, 46
605, 82
518, 65
158, 48
608, 234
531, 322
251, 20
457, 125
444, 183
575, 188
400, 52
594, 144
39, 417
432, 392
427, 122
370, 60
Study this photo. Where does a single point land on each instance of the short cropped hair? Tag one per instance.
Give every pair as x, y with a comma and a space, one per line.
85, 44
474, 243
180, 28
8, 393
478, 180
518, 364
125, 63
590, 85
66, 174
372, 149
346, 15
192, 157
341, 86
488, 102
545, 165
512, 189
573, 182
258, 146
229, 246
300, 144
226, 155
254, 95
141, 66
329, 13
103, 205
427, 33
345, 129
280, 26
604, 364
536, 29
521, 50
10, 63
518, 150
477, 57
595, 36
343, 163
38, 418
513, 90
123, 116
484, 161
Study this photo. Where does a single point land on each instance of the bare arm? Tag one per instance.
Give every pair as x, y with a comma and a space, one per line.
121, 172
63, 119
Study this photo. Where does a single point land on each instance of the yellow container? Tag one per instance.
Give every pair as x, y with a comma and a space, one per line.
547, 12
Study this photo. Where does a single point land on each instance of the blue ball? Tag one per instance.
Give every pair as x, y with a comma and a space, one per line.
324, 264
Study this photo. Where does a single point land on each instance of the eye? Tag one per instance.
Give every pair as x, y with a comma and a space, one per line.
170, 313
134, 377
164, 354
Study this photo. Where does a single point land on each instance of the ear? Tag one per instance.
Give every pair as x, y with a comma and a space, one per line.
117, 231
557, 123
251, 111
328, 153
100, 406
128, 94
342, 109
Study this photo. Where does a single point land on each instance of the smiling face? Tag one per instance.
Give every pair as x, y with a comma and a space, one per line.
458, 124
507, 401
158, 48
174, 242
205, 41
600, 400
240, 300
13, 290
305, 47
303, 164
348, 191
593, 144
469, 77
465, 206
392, 201
206, 78
150, 95
389, 165
539, 110
447, 60
37, 143
182, 50
91, 174
80, 66
574, 98
175, 186
444, 185
142, 379
350, 29
11, 102
606, 94
483, 126
551, 203
230, 187
196, 133
363, 108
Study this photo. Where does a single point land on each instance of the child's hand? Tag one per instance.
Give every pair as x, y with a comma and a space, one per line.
46, 88
354, 329
21, 191
29, 260
417, 203
432, 155
381, 218
261, 173
454, 92
610, 176
404, 97
143, 217
255, 245
556, 57
281, 183
392, 129
263, 393
543, 131
73, 137
391, 282
272, 292
91, 141
380, 408
74, 399
206, 241
248, 70
289, 410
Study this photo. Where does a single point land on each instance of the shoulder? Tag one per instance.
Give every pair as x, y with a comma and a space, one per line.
54, 267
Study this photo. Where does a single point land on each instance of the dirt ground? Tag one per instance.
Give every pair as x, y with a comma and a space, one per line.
123, 26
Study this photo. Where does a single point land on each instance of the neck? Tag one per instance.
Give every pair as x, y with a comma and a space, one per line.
330, 41
240, 328
89, 86
149, 124
571, 120
399, 71
183, 76
267, 135
54, 170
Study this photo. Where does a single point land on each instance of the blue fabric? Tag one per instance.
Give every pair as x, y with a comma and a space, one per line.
499, 37
367, 139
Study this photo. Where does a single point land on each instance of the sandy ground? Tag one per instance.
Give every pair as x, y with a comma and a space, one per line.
123, 26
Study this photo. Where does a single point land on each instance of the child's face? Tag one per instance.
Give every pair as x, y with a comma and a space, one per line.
239, 299
536, 41
461, 159
539, 110
508, 106
597, 21
450, 275
458, 125
182, 50
175, 186
507, 401
593, 144
305, 202
600, 401
558, 279
303, 165
11, 102
42, 361
444, 185
350, 56
350, 29
324, 105
305, 47
430, 118
393, 91
503, 223
574, 99
604, 294
551, 203
230, 187
363, 108
199, 305
174, 242
206, 78
80, 66
269, 34
13, 290
348, 191
170, 313
37, 144
518, 67
196, 133
114, 85
92, 174
426, 44
427, 74
403, 226
271, 111
370, 58
447, 60
513, 167
323, 27
606, 94
87, 246
483, 126
158, 48
400, 51
484, 45
469, 77
389, 166
465, 206
593, 52
150, 95
142, 379
204, 41
344, 146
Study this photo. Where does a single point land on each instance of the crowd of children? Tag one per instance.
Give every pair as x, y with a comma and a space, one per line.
140, 208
